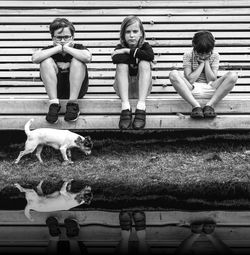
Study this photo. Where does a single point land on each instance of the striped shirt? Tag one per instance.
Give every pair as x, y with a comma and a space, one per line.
190, 60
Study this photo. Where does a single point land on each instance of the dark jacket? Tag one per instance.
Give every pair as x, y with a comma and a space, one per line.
145, 52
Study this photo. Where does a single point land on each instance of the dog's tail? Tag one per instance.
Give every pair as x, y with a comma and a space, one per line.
27, 127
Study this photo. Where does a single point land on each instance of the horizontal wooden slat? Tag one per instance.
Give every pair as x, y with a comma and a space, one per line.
109, 50
116, 27
115, 35
161, 122
112, 42
171, 104
122, 4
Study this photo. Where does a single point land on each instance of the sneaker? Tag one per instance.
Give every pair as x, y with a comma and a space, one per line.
52, 115
72, 227
125, 119
140, 119
72, 112
53, 225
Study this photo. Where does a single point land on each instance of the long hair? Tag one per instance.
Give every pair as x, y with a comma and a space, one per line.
129, 20
61, 23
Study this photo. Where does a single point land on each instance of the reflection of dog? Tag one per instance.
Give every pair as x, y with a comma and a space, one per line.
59, 200
58, 139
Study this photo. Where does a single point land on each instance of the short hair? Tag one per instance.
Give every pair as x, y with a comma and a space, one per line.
129, 20
61, 23
203, 41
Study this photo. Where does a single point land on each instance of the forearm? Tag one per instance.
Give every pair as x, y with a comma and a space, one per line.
82, 55
41, 55
192, 77
210, 75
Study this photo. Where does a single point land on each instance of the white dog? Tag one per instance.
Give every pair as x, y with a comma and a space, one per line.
63, 140
59, 200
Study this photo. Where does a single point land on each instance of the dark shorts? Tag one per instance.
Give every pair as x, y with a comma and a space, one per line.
63, 87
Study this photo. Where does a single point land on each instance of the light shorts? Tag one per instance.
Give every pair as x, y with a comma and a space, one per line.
203, 90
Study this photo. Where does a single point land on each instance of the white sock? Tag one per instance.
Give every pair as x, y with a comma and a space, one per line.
141, 105
125, 105
54, 101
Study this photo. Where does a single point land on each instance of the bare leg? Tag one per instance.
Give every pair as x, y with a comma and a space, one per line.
183, 88
122, 81
224, 85
221, 247
76, 77
124, 242
142, 245
145, 80
53, 245
49, 72
186, 244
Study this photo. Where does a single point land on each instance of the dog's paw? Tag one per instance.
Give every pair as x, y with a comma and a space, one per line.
67, 162
18, 186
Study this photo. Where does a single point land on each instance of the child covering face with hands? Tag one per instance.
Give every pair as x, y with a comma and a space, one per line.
200, 77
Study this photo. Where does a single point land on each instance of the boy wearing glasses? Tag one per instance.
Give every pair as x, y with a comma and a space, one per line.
200, 77
63, 70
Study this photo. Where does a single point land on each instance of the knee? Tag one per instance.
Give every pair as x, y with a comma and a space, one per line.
47, 63
144, 66
232, 76
122, 68
75, 63
174, 76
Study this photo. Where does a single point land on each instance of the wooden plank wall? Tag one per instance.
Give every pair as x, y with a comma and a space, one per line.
100, 231
169, 27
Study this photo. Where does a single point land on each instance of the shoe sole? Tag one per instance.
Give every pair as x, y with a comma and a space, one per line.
53, 226
72, 227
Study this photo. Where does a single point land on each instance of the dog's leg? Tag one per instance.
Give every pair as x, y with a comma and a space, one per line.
29, 148
68, 151
38, 152
39, 188
63, 189
27, 213
63, 150
17, 185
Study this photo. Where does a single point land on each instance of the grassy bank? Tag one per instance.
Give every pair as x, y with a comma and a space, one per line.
161, 170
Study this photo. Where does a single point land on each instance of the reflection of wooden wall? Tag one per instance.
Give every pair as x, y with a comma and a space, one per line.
100, 230
169, 26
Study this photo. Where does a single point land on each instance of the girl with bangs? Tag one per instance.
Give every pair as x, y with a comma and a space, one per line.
133, 57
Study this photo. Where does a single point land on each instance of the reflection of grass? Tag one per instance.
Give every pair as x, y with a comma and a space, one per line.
210, 168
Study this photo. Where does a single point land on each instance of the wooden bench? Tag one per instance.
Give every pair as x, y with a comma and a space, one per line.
169, 27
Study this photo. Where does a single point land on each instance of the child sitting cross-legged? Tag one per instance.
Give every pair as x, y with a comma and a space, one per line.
200, 77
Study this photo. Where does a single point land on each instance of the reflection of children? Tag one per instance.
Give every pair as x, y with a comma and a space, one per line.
197, 229
132, 56
72, 232
63, 70
200, 81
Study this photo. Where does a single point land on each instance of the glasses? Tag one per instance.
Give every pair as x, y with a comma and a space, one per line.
65, 38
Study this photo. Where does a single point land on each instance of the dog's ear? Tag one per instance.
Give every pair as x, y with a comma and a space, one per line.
78, 141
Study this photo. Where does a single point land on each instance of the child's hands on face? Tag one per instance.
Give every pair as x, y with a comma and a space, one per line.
68, 44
